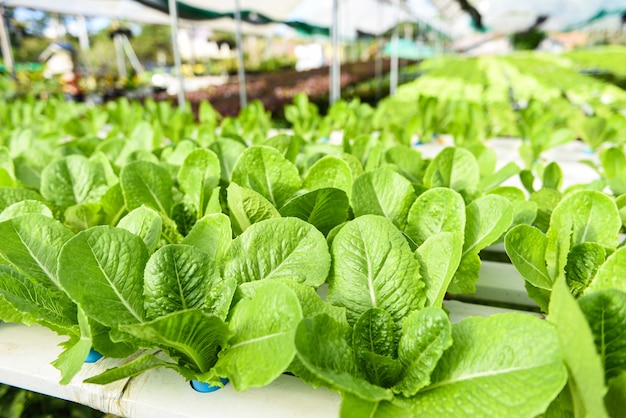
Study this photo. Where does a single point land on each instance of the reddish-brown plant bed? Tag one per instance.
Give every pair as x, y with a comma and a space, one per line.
278, 88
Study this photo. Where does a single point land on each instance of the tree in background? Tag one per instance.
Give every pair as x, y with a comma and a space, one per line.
27, 39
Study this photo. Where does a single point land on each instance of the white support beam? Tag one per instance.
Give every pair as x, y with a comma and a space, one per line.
335, 66
393, 72
132, 57
241, 69
83, 34
119, 55
5, 45
173, 9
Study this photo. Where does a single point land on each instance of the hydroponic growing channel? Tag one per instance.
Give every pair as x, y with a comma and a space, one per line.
284, 261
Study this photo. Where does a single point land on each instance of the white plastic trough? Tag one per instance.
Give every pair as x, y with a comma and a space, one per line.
26, 354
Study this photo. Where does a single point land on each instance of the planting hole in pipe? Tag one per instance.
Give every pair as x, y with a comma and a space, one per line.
203, 387
93, 356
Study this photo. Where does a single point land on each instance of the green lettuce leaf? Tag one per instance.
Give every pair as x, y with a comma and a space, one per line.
583, 216
262, 346
82, 216
24, 301
329, 172
323, 349
26, 207
615, 398
455, 168
102, 341
383, 192
133, 368
11, 195
586, 375
73, 180
437, 271
373, 342
526, 247
101, 269
144, 222
504, 365
220, 298
322, 208
266, 171
71, 360
113, 204
605, 311
211, 234
583, 261
248, 207
178, 277
486, 219
198, 176
301, 254
611, 273
288, 145
191, 337
426, 334
436, 210
184, 216
32, 244
228, 152
146, 183
374, 267
408, 161
310, 301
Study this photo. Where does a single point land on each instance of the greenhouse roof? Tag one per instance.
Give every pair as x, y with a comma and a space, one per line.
309, 17
507, 16
314, 17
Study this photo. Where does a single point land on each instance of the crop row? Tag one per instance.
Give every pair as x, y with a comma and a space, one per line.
139, 233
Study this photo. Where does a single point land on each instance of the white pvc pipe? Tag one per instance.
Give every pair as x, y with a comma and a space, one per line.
335, 67
241, 70
5, 45
177, 61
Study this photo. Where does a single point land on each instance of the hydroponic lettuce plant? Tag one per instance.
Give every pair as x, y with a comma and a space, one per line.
578, 258
591, 337
303, 116
179, 298
581, 238
596, 130
31, 291
395, 358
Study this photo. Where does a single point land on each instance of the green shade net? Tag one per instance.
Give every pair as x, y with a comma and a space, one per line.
186, 11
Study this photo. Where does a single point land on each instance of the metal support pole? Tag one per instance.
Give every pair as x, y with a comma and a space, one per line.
241, 70
335, 67
393, 76
177, 62
119, 55
132, 57
5, 45
378, 65
83, 35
